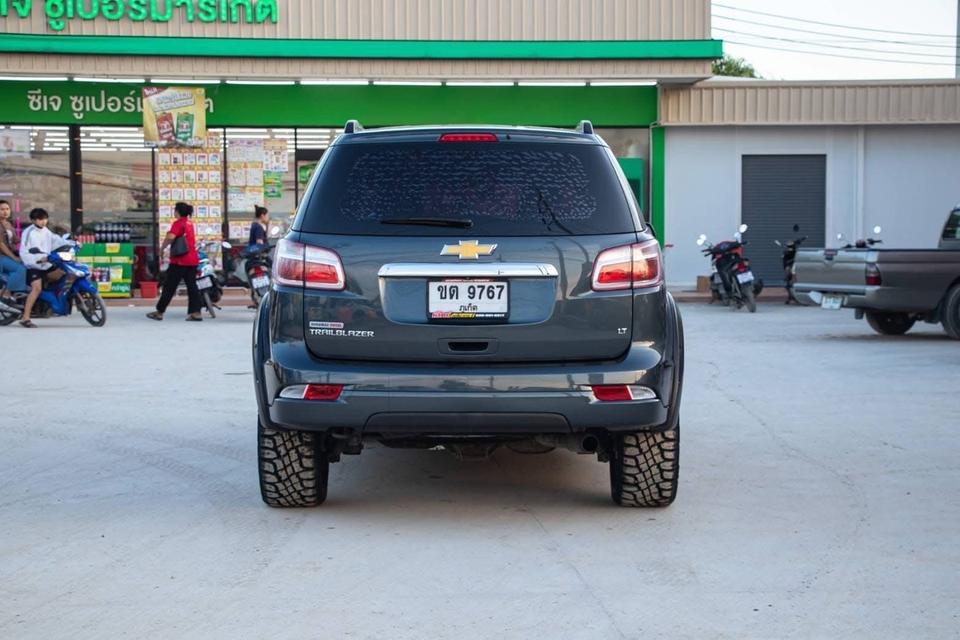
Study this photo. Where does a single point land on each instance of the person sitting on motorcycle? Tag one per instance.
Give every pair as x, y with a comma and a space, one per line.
258, 230
10, 265
37, 236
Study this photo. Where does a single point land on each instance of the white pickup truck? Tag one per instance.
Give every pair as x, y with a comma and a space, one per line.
892, 288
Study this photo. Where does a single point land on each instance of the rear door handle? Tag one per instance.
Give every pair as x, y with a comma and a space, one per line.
468, 346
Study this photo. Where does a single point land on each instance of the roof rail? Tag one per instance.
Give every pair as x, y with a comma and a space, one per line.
352, 126
585, 127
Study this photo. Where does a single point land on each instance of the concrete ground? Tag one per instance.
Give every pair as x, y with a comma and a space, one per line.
819, 498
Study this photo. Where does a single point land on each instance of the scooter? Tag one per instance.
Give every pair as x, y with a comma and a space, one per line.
732, 281
251, 269
59, 298
789, 259
211, 289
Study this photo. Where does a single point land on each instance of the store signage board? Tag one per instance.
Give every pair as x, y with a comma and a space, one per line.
64, 103
60, 13
174, 116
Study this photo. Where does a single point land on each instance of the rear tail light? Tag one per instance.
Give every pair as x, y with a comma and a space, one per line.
302, 265
323, 392
468, 137
316, 392
621, 392
873, 276
630, 266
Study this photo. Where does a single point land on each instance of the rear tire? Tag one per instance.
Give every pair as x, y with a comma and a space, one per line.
889, 324
209, 304
951, 313
645, 468
293, 470
749, 299
92, 309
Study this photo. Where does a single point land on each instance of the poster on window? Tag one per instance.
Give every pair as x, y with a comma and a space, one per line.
275, 156
14, 143
245, 171
174, 116
193, 177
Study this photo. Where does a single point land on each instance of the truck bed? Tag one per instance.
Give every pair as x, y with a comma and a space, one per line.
911, 280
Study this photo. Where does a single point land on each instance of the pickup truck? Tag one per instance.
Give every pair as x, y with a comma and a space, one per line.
892, 288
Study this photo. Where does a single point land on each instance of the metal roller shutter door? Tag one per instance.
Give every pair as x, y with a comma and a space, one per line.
777, 192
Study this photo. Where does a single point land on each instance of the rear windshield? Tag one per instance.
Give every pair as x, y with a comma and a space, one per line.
498, 188
952, 229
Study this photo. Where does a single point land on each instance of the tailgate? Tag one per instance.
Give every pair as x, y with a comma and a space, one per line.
833, 270
405, 301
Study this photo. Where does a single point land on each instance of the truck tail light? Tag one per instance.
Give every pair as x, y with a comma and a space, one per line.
631, 266
303, 265
873, 276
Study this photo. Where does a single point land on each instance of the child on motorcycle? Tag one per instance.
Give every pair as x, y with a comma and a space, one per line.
37, 236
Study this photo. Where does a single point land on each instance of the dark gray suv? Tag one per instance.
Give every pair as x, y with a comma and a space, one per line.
468, 287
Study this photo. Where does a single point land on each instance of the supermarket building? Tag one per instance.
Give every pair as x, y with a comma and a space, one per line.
701, 155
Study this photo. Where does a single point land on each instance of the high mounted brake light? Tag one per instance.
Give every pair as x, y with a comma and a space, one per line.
468, 137
301, 265
634, 266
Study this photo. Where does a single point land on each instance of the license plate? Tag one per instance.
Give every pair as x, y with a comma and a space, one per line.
831, 302
204, 283
745, 277
260, 282
468, 299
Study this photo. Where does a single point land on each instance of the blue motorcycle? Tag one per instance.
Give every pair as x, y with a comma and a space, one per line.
73, 289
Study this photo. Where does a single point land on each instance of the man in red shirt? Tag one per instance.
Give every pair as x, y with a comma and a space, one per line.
183, 264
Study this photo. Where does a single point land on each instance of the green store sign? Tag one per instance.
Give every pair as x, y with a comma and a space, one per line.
60, 12
65, 103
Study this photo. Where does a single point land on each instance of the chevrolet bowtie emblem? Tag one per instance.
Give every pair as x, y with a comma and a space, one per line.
468, 249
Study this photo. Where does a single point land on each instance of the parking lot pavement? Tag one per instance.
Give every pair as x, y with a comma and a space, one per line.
819, 497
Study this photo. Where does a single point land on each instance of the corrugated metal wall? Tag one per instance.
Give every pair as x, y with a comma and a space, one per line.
350, 68
769, 103
428, 20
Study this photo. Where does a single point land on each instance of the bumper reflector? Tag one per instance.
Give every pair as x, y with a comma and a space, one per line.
317, 392
621, 392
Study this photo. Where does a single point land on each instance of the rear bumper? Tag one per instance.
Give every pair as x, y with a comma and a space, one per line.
878, 298
468, 399
452, 413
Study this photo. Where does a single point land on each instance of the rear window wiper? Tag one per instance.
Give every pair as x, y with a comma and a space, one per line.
431, 222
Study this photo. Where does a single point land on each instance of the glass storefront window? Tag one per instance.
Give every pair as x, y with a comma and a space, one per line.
260, 172
35, 172
311, 143
117, 184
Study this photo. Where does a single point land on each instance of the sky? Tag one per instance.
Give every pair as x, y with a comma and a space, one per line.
927, 27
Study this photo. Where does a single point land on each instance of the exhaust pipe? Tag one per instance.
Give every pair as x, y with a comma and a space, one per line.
590, 443
580, 443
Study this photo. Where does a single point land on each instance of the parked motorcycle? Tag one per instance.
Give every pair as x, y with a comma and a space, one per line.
208, 282
789, 259
60, 298
865, 243
250, 268
732, 281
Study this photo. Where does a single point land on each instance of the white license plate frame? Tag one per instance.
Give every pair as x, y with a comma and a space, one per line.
745, 277
260, 282
206, 282
832, 302
459, 306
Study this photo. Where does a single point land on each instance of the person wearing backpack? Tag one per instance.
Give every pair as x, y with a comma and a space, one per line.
184, 259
